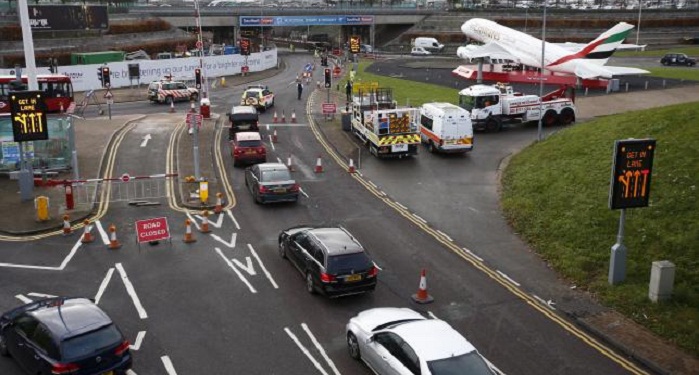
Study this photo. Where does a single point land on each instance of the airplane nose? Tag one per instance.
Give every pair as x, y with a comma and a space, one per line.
466, 27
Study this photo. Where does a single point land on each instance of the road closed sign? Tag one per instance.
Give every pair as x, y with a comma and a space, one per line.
150, 230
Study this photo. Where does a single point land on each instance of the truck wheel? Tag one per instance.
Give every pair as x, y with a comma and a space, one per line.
430, 147
567, 116
550, 118
493, 125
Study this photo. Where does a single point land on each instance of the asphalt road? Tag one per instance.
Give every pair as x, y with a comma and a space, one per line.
230, 304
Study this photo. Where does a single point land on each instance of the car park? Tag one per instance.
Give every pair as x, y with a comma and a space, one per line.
257, 96
271, 182
248, 148
677, 59
242, 118
403, 342
168, 91
419, 51
64, 336
330, 259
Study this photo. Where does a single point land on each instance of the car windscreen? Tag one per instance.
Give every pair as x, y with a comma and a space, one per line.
251, 94
253, 143
469, 363
91, 342
348, 262
275, 175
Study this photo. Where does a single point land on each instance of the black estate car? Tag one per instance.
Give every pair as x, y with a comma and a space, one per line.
331, 260
64, 336
678, 59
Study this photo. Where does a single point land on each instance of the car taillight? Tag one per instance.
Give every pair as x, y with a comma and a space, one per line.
237, 151
121, 349
64, 368
263, 189
373, 271
261, 150
295, 188
327, 278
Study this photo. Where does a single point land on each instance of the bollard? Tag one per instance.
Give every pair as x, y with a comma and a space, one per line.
41, 203
113, 242
204, 191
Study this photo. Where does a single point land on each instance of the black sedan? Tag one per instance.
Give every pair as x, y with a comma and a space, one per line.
64, 336
271, 182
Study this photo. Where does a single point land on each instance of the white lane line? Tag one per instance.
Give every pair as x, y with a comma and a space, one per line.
382, 193
130, 372
320, 348
473, 209
229, 245
401, 206
303, 192
47, 268
70, 255
264, 269
232, 266
432, 315
270, 141
103, 233
24, 299
168, 365
230, 214
305, 351
41, 295
445, 235
374, 185
507, 277
139, 340
215, 224
132, 292
541, 300
279, 160
419, 218
267, 127
193, 221
103, 286
472, 254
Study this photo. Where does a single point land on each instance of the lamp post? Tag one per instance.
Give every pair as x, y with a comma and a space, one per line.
638, 27
541, 73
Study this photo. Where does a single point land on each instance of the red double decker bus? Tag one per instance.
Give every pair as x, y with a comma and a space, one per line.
57, 88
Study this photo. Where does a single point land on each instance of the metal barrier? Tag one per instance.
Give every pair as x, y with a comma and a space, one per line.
87, 193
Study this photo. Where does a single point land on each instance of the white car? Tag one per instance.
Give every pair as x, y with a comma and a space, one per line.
400, 341
420, 51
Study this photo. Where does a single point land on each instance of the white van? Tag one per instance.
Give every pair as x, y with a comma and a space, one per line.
430, 44
445, 127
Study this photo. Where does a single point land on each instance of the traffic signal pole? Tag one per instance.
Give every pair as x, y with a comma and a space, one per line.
26, 174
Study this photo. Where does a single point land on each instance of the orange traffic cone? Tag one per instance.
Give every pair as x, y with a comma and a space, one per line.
188, 236
274, 136
67, 230
113, 242
293, 116
87, 234
219, 203
205, 222
288, 164
421, 296
172, 107
275, 117
283, 117
351, 168
319, 165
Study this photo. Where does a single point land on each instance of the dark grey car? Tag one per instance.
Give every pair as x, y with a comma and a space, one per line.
271, 182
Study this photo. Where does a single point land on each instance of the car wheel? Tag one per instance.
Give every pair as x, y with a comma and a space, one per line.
282, 251
664, 63
3, 347
310, 288
353, 346
431, 148
169, 100
194, 97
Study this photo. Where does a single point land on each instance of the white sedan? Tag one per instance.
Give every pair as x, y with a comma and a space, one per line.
400, 341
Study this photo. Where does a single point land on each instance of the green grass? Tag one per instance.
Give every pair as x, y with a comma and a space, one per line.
691, 51
676, 72
555, 195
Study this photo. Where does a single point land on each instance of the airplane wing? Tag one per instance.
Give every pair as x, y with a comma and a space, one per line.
574, 47
491, 50
589, 71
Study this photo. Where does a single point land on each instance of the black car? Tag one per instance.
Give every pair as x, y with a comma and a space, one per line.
64, 336
331, 260
678, 59
271, 182
242, 118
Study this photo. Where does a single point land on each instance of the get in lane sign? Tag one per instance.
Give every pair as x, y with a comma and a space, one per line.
154, 229
631, 172
28, 113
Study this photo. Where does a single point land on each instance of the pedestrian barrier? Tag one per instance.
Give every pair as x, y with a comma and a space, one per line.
421, 296
289, 165
188, 236
113, 242
67, 230
87, 232
205, 222
351, 168
219, 203
319, 165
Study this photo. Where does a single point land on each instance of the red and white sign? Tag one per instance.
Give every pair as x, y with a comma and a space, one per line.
194, 117
198, 44
155, 229
329, 108
244, 68
125, 177
108, 95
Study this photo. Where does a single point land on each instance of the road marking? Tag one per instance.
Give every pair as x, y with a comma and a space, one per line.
432, 315
231, 244
287, 125
193, 221
270, 141
103, 286
24, 299
41, 295
472, 254
507, 277
146, 138
401, 206
279, 160
473, 209
264, 269
320, 348
63, 265
445, 235
232, 266
303, 192
305, 351
130, 372
373, 184
230, 214
139, 340
247, 267
132, 292
217, 224
168, 365
419, 218
103, 233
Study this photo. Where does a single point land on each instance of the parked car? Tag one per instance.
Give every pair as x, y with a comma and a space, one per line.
248, 148
64, 336
419, 51
677, 59
271, 182
330, 259
401, 341
258, 97
242, 117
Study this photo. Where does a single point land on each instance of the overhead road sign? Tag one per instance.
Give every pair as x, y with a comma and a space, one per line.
305, 20
68, 17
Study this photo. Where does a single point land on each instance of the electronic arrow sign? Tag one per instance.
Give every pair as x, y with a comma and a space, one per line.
631, 172
28, 112
355, 44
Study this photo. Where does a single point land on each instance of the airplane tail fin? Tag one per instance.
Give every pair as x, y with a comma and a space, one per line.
601, 49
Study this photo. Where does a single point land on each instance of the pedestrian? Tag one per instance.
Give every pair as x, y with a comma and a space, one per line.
299, 87
348, 90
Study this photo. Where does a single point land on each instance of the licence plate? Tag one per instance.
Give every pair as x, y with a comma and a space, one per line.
353, 278
399, 148
249, 151
279, 190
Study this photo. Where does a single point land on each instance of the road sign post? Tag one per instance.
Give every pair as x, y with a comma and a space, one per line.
28, 117
110, 101
195, 131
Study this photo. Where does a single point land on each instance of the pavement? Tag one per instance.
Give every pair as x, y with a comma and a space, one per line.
94, 135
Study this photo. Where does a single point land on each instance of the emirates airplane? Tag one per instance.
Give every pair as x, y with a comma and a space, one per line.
586, 61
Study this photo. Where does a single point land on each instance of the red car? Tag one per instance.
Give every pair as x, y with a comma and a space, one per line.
247, 148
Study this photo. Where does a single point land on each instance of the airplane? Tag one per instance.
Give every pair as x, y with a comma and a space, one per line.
588, 62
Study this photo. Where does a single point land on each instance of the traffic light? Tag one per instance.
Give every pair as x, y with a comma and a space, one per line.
328, 79
197, 78
105, 76
244, 47
99, 76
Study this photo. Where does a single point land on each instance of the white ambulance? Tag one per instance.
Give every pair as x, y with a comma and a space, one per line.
445, 127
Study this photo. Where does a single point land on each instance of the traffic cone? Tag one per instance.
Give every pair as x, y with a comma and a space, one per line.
188, 236
113, 242
283, 118
87, 234
288, 164
274, 136
421, 296
61, 109
67, 230
219, 203
293, 116
351, 168
205, 222
275, 117
319, 165
172, 107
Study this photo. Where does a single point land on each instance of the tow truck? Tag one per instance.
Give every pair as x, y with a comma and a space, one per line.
493, 105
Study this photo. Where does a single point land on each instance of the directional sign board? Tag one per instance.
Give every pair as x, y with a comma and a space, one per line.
150, 230
631, 172
329, 108
28, 112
